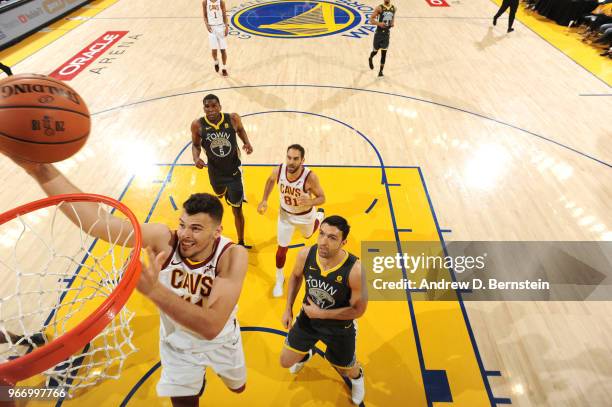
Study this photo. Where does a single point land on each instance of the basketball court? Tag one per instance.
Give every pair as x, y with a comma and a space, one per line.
471, 135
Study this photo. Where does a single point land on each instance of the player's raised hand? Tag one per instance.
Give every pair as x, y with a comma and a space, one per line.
287, 319
208, 28
262, 207
150, 272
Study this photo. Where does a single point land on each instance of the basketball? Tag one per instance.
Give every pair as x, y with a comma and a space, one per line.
41, 119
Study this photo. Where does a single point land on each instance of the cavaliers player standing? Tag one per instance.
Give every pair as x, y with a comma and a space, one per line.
194, 277
215, 18
216, 133
335, 295
300, 191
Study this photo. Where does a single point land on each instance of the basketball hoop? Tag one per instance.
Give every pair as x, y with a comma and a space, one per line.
69, 327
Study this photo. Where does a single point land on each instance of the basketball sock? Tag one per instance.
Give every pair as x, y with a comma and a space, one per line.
280, 276
383, 58
281, 256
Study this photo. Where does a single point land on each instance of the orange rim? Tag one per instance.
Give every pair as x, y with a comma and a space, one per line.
69, 343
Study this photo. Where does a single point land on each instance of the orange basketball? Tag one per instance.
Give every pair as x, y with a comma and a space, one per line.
41, 119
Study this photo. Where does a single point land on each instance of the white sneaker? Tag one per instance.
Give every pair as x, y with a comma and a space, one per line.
278, 286
358, 389
299, 365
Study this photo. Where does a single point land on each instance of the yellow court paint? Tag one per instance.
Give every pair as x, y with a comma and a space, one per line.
40, 39
567, 40
386, 341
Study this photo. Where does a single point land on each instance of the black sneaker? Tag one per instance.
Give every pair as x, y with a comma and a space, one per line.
380, 74
371, 63
224, 72
216, 67
510, 30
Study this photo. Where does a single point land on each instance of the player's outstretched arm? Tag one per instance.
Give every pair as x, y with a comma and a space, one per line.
89, 217
207, 321
263, 205
359, 300
241, 132
293, 286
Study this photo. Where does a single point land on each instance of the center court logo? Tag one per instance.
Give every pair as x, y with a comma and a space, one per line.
297, 19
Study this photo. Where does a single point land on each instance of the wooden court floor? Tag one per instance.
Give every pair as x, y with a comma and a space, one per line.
471, 135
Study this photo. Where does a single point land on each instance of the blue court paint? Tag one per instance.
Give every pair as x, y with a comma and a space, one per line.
493, 373
437, 387
459, 297
173, 203
373, 250
404, 230
446, 231
374, 202
378, 92
295, 246
394, 185
502, 401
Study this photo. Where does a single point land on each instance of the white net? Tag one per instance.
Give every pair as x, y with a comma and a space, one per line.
54, 274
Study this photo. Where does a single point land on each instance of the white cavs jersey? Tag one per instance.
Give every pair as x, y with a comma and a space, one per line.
193, 282
290, 191
214, 12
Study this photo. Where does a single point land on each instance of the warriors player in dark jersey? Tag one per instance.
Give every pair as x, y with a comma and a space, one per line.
335, 296
384, 19
198, 325
216, 133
